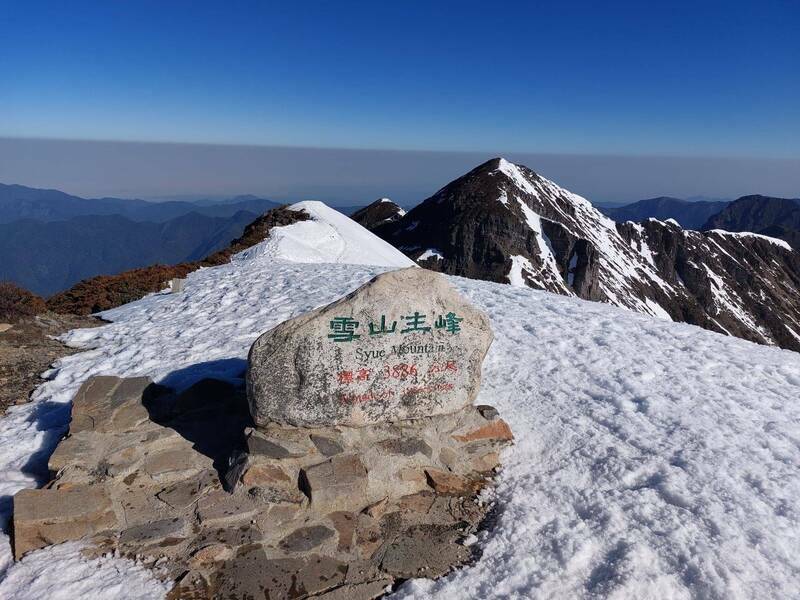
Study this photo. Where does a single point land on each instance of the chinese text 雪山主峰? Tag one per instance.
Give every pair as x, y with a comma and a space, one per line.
344, 329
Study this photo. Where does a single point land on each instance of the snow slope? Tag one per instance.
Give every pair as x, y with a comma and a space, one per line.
652, 459
328, 237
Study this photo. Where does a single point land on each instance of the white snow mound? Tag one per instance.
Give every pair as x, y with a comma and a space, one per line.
328, 237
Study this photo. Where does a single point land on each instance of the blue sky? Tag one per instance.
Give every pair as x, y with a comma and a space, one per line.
632, 78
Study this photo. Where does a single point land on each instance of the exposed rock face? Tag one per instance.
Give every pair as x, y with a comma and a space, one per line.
28, 347
374, 356
380, 212
328, 512
775, 217
741, 284
503, 222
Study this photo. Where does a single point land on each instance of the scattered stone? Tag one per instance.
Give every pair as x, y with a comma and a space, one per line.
326, 446
210, 554
345, 525
413, 475
5, 327
185, 493
175, 463
337, 484
489, 413
46, 516
264, 476
377, 510
485, 463
403, 346
424, 551
449, 483
260, 444
497, 430
406, 447
154, 532
219, 508
306, 538
358, 591
448, 457
109, 404
250, 573
420, 502
191, 585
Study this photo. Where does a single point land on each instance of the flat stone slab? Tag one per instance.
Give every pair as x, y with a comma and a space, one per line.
48, 516
339, 482
424, 551
250, 574
109, 404
403, 346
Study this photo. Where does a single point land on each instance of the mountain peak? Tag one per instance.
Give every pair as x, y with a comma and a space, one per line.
381, 212
503, 222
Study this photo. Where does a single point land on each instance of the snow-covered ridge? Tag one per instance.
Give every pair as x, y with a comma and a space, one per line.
747, 234
328, 237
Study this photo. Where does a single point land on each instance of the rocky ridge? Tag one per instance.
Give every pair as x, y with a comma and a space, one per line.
505, 223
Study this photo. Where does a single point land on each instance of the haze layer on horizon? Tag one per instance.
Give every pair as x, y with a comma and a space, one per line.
350, 177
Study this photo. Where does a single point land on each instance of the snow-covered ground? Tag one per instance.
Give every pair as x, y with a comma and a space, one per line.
652, 459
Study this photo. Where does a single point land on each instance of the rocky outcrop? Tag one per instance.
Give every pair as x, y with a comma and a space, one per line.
505, 223
380, 212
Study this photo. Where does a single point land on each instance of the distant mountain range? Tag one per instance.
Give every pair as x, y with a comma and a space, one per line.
505, 223
20, 202
46, 257
774, 217
690, 214
49, 240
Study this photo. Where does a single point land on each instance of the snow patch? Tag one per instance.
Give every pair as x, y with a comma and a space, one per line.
62, 573
431, 253
518, 265
747, 234
546, 255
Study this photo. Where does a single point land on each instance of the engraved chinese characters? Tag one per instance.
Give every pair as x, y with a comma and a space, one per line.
405, 345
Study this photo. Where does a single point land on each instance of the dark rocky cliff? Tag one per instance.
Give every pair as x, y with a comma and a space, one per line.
381, 212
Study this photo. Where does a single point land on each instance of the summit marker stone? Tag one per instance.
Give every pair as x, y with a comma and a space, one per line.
405, 345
